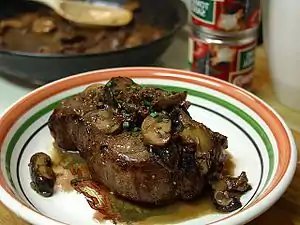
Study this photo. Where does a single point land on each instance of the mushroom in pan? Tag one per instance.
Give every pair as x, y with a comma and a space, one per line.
43, 25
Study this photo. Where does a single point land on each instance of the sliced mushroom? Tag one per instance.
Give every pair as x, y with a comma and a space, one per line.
169, 100
115, 87
195, 133
13, 23
43, 25
10, 23
95, 96
156, 130
42, 175
227, 191
94, 90
93, 87
225, 202
133, 40
28, 18
236, 184
104, 120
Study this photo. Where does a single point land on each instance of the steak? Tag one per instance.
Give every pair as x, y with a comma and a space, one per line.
140, 142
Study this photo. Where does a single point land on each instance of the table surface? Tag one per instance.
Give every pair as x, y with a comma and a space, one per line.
287, 210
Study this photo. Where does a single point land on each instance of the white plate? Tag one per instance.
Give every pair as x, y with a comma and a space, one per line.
259, 141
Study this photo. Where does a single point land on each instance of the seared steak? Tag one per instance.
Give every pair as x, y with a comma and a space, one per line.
139, 141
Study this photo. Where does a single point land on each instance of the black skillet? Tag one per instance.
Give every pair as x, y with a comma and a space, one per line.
43, 68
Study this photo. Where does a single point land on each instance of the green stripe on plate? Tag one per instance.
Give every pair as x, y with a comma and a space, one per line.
238, 112
20, 132
202, 95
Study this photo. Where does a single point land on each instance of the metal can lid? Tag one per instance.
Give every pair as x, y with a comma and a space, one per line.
216, 39
236, 34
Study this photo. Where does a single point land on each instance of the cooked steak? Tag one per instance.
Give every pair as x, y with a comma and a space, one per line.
139, 141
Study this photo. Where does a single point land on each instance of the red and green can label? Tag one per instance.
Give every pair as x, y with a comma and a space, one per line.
226, 15
234, 63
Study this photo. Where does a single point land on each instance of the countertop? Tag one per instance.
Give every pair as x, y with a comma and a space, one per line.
287, 209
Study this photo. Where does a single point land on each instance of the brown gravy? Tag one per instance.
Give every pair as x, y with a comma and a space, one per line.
131, 213
67, 166
46, 32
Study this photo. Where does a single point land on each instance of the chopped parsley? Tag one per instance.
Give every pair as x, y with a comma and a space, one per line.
153, 114
111, 84
135, 129
126, 124
147, 103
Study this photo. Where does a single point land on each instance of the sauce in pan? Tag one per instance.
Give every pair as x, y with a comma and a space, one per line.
46, 32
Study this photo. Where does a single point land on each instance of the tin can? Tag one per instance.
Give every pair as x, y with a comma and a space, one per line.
226, 17
229, 59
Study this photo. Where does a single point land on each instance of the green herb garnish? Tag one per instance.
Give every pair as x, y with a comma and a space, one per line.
147, 103
135, 129
153, 114
126, 124
111, 84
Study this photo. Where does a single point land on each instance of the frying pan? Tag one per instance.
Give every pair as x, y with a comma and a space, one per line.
43, 68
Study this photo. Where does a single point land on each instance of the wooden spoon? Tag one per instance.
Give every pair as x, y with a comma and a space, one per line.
89, 15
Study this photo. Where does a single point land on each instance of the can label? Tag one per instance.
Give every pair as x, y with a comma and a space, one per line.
234, 63
226, 15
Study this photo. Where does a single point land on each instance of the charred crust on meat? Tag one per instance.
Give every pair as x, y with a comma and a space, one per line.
143, 145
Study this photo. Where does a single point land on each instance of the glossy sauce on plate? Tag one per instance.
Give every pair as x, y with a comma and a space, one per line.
70, 165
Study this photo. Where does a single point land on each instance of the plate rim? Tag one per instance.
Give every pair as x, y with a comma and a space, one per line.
6, 196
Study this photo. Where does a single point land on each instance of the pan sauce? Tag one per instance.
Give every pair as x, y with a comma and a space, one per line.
46, 32
132, 213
